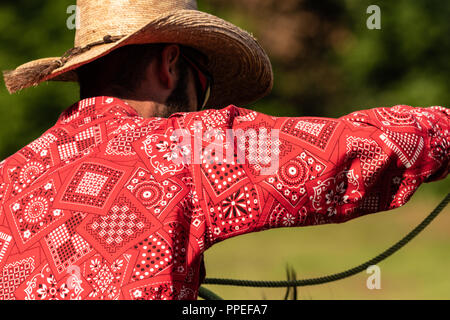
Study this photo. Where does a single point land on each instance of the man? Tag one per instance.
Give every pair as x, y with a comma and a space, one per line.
120, 199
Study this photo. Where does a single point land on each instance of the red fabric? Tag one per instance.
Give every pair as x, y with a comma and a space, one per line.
96, 208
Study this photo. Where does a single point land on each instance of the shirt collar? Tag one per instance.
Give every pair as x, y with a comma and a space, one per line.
93, 108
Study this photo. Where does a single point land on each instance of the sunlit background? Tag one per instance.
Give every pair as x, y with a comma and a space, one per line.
326, 63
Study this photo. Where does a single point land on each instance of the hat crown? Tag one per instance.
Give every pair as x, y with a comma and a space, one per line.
121, 17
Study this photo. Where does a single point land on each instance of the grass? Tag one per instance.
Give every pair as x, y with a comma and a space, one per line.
418, 271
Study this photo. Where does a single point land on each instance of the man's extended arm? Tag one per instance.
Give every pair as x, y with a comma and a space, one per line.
328, 170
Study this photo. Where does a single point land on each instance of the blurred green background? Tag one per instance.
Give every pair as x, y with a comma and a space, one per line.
326, 63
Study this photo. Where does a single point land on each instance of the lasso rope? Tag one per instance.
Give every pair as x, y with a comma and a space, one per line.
207, 294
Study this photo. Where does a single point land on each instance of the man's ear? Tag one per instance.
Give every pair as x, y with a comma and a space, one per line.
168, 72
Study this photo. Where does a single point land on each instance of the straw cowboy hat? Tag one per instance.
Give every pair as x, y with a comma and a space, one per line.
239, 65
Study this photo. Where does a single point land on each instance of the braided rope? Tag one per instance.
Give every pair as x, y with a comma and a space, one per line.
69, 54
207, 294
341, 275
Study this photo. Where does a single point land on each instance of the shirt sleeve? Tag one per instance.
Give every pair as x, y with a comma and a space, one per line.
309, 171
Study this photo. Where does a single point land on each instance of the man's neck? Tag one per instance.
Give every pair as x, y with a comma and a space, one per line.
148, 109
144, 108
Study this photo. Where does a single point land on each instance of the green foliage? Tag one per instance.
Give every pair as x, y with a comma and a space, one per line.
31, 30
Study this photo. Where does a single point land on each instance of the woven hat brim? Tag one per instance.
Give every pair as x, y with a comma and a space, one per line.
240, 67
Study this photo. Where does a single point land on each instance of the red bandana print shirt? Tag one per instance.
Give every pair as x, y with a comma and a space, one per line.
97, 208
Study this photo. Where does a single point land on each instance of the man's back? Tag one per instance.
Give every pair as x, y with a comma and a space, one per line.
109, 205
87, 217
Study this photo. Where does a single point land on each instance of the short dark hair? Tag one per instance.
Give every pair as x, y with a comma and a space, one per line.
119, 72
